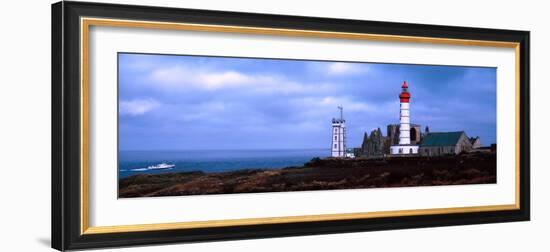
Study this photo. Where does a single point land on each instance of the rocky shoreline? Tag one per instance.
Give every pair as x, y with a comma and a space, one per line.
320, 174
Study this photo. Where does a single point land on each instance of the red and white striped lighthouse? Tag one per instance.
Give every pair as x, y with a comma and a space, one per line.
404, 115
404, 147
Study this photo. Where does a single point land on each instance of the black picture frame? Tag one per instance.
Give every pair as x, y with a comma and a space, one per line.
66, 124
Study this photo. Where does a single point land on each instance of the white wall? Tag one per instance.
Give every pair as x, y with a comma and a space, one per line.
25, 125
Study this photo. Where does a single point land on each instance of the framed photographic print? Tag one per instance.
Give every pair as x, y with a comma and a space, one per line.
180, 125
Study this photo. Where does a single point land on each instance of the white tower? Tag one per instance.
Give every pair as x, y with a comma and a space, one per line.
404, 147
339, 135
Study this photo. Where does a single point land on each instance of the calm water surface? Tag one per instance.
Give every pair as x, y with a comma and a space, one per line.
145, 162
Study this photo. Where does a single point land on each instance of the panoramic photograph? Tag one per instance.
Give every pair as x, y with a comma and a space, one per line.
199, 125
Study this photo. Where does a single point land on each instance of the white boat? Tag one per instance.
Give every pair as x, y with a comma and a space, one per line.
161, 166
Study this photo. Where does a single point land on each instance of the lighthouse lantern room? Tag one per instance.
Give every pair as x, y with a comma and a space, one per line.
404, 147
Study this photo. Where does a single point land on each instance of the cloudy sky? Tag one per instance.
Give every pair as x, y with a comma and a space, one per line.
192, 102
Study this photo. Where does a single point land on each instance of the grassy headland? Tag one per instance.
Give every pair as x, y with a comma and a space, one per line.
321, 174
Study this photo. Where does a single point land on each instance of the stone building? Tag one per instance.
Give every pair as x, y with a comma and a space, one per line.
375, 144
476, 142
445, 143
393, 133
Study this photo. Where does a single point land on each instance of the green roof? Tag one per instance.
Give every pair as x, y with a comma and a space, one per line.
441, 139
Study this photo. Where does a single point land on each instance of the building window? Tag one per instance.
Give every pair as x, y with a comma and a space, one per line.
400, 150
410, 151
335, 138
335, 146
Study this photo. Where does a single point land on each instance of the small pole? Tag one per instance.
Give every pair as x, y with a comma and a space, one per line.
341, 112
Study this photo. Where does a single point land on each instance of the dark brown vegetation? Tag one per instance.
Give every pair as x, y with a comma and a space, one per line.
321, 174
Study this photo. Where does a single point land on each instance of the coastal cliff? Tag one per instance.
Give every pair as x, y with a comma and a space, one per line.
320, 174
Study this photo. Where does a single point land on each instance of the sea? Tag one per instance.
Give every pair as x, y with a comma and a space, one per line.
208, 161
